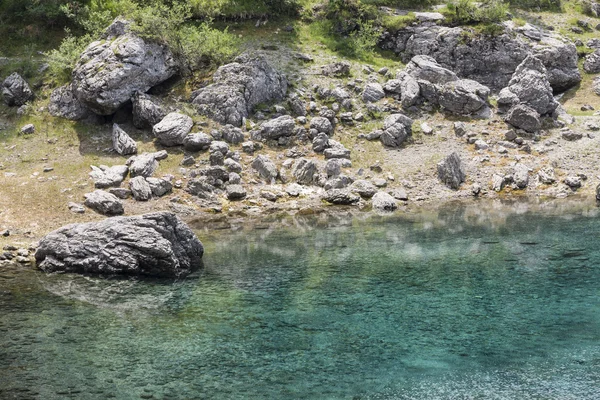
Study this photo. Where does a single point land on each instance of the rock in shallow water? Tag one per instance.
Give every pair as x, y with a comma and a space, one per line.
157, 244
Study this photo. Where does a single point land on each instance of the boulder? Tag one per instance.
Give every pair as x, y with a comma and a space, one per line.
218, 146
235, 192
521, 176
145, 164
157, 244
463, 97
337, 69
265, 168
373, 92
450, 171
396, 129
110, 71
410, 89
159, 186
172, 129
140, 189
489, 60
320, 143
336, 150
363, 188
523, 117
64, 104
232, 134
321, 125
596, 85
305, 171
202, 187
105, 177
197, 141
104, 203
529, 85
426, 68
591, 65
546, 176
333, 167
341, 197
278, 127
147, 110
238, 88
384, 202
122, 142
16, 91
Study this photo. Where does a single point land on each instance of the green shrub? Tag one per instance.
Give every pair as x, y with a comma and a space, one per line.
395, 23
541, 5
466, 12
202, 46
61, 61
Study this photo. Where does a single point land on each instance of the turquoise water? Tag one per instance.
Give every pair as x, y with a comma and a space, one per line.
459, 306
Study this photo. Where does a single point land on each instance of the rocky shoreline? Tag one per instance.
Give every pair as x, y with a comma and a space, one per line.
327, 137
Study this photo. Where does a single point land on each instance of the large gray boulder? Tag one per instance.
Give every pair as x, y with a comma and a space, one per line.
451, 172
239, 87
278, 127
396, 129
145, 164
373, 92
321, 125
147, 110
384, 202
463, 97
410, 90
265, 168
529, 85
306, 171
104, 203
341, 197
172, 129
197, 141
591, 65
16, 91
64, 104
105, 177
140, 188
157, 244
122, 142
426, 68
110, 71
489, 60
523, 117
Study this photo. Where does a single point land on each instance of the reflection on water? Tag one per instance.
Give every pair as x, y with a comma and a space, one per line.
463, 303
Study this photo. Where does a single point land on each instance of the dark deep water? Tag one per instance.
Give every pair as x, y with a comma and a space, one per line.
453, 307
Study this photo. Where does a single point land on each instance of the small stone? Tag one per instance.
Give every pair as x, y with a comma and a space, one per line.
236, 192
460, 129
510, 135
587, 107
380, 182
574, 182
76, 208
481, 145
48, 169
571, 136
426, 129
28, 129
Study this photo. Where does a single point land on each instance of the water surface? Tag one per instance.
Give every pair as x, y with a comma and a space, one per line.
459, 306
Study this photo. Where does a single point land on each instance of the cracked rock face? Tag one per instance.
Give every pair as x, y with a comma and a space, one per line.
111, 70
489, 61
238, 88
157, 244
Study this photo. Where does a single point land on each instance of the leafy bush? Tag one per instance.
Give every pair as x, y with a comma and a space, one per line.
204, 45
550, 5
395, 23
465, 12
61, 61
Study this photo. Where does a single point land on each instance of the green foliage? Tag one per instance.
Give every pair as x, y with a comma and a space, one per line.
42, 12
61, 61
466, 12
204, 45
548, 5
395, 23
243, 8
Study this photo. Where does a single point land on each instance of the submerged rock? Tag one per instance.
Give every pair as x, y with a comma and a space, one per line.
157, 244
